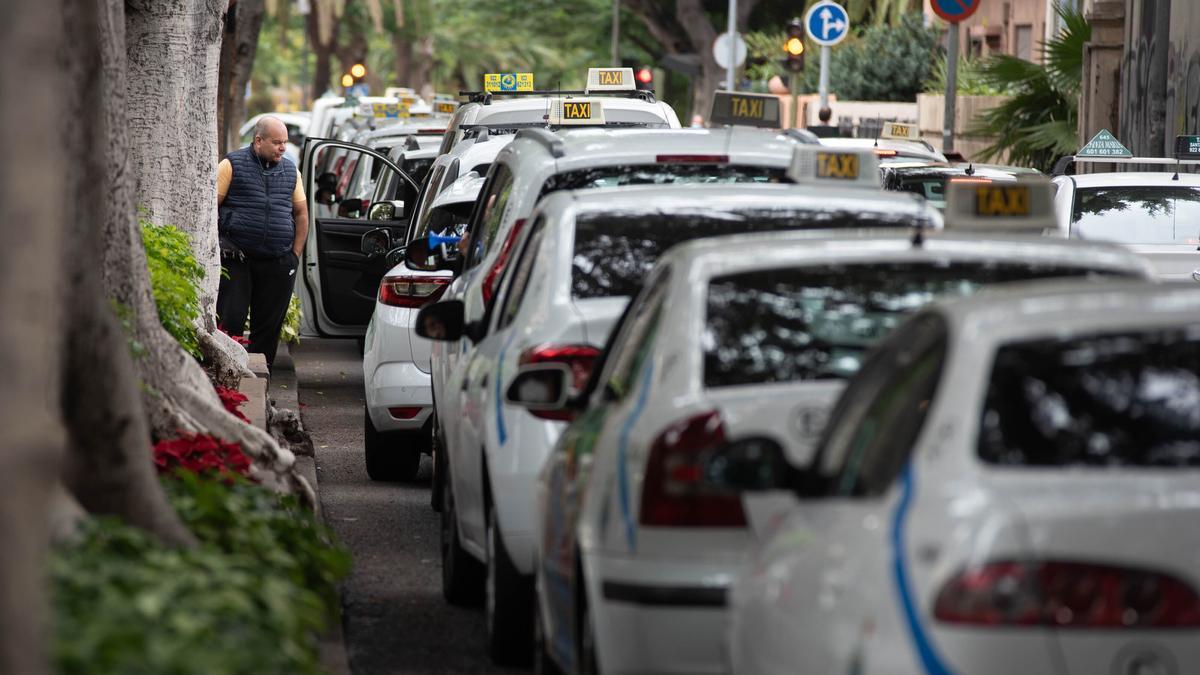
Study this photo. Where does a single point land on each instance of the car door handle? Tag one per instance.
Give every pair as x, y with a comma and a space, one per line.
483, 381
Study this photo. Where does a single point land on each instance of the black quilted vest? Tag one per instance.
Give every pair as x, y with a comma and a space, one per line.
256, 215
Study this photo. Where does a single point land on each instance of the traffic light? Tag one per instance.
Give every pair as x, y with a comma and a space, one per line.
794, 46
645, 77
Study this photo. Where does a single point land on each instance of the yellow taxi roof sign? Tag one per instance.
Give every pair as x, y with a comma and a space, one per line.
1024, 205
445, 107
382, 111
834, 166
899, 131
576, 112
503, 82
742, 109
610, 79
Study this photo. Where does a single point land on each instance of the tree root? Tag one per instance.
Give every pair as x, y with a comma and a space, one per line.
224, 359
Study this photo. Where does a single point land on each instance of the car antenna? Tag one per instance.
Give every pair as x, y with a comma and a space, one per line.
970, 169
1176, 176
918, 238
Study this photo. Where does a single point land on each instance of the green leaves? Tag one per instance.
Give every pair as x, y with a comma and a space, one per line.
174, 279
885, 63
249, 599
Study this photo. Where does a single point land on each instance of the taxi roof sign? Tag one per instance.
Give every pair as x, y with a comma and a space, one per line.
610, 79
900, 131
833, 166
384, 110
742, 109
576, 111
504, 82
1187, 147
445, 107
1104, 144
1024, 205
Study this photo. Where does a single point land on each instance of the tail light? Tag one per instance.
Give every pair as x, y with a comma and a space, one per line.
492, 280
1067, 594
405, 412
962, 179
674, 492
691, 159
579, 358
411, 291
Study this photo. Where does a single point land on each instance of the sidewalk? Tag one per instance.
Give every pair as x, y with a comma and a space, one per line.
281, 389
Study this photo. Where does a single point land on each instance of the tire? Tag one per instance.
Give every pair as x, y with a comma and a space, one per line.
390, 456
439, 459
543, 664
462, 575
508, 603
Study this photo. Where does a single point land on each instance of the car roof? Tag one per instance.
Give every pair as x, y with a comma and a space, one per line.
516, 110
766, 250
299, 120
741, 144
428, 125
473, 151
910, 149
1165, 178
919, 168
465, 189
1053, 307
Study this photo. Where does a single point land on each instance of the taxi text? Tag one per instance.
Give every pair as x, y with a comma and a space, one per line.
993, 200
611, 77
578, 110
843, 165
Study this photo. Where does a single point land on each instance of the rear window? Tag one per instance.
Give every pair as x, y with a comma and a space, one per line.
1138, 214
1130, 399
614, 251
813, 323
661, 174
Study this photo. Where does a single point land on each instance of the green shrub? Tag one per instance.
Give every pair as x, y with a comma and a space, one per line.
291, 323
174, 279
250, 599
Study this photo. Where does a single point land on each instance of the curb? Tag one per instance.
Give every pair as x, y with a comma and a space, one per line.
279, 387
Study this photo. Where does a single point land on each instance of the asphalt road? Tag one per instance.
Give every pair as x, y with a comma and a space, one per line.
394, 617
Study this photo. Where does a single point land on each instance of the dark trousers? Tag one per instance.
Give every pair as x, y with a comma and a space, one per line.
262, 288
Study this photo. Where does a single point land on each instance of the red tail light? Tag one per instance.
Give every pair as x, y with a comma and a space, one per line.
492, 280
579, 358
692, 159
405, 412
1066, 594
411, 291
674, 493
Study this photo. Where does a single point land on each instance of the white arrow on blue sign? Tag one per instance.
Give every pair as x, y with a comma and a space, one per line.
827, 23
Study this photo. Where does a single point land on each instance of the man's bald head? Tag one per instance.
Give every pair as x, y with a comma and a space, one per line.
270, 138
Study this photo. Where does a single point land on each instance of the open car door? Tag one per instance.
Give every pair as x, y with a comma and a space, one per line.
361, 190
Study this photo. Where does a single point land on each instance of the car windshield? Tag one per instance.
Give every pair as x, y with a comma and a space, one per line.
1138, 214
614, 251
661, 174
818, 322
1129, 399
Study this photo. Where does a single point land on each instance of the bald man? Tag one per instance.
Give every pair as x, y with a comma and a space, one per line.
263, 224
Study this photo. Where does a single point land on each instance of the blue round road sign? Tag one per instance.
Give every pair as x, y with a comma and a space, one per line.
827, 23
954, 10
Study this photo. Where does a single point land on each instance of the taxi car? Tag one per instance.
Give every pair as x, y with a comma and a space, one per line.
731, 337
928, 179
1010, 484
398, 404
1156, 213
896, 141
551, 165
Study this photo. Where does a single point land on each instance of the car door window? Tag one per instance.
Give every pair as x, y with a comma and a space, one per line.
629, 351
432, 188
872, 430
490, 213
521, 273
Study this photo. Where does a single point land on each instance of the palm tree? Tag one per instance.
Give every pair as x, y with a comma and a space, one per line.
1037, 124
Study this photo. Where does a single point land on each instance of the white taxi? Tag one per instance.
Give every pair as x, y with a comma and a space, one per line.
1156, 213
1007, 486
896, 142
731, 337
398, 403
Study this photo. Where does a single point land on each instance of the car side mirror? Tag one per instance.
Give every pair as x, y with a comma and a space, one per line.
350, 208
390, 210
754, 464
544, 389
395, 256
446, 322
376, 242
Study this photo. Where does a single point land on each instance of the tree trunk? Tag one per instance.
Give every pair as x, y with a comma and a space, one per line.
108, 466
172, 53
224, 78
422, 68
31, 85
402, 51
322, 51
700, 31
250, 15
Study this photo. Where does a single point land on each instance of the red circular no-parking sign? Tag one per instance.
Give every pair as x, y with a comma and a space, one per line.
954, 11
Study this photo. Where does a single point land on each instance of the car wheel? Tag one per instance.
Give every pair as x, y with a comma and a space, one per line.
508, 603
439, 469
462, 575
543, 664
390, 456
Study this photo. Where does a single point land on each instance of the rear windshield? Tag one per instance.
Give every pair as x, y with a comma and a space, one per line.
1130, 399
614, 251
1138, 214
813, 323
661, 174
